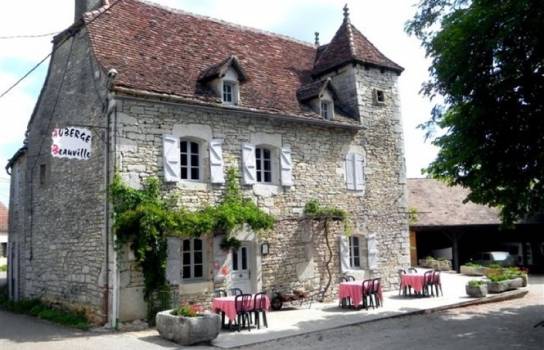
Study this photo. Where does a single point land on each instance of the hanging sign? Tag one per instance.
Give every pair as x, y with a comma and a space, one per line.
72, 143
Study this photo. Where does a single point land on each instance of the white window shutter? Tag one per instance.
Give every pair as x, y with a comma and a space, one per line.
286, 165
173, 260
372, 252
350, 176
171, 158
248, 164
344, 253
217, 175
358, 164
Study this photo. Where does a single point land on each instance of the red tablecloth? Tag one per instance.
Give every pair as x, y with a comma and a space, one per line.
353, 290
226, 305
414, 280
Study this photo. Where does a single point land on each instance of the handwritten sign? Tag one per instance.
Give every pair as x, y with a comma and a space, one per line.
72, 143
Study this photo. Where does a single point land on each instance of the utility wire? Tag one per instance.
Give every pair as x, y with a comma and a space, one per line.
27, 36
53, 51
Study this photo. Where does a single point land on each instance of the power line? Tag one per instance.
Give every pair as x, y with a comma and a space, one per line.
27, 36
53, 51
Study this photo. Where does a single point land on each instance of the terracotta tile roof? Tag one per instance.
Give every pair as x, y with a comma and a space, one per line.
441, 205
3, 218
314, 89
166, 51
349, 45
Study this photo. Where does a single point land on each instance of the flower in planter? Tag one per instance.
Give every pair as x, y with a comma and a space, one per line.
188, 310
475, 283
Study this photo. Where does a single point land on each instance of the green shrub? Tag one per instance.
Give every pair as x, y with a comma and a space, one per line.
3, 268
503, 273
475, 283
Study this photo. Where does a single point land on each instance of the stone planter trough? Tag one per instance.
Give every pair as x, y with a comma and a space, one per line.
440, 265
503, 286
476, 292
188, 330
473, 270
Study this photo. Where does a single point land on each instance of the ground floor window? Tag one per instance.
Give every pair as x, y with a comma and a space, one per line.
354, 252
192, 255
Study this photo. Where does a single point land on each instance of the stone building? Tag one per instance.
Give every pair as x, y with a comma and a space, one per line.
141, 90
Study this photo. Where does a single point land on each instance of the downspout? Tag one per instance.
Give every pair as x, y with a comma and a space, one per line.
111, 257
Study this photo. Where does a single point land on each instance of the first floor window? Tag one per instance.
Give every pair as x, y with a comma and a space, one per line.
192, 255
264, 165
190, 160
354, 252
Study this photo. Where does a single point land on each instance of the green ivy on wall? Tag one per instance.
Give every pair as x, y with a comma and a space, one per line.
144, 218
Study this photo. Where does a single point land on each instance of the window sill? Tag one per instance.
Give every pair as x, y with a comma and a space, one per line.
266, 190
193, 185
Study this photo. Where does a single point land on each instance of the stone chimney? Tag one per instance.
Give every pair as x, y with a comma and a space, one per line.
82, 6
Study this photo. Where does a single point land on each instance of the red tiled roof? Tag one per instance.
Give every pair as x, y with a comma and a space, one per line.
349, 45
166, 51
3, 218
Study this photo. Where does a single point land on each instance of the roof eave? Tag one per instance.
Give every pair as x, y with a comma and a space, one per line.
317, 73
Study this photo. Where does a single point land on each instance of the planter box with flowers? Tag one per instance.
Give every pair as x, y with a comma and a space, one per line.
188, 325
504, 279
476, 289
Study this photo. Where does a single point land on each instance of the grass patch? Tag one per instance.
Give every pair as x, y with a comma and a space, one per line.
37, 308
3, 268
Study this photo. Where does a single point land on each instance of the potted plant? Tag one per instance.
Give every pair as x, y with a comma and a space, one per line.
188, 325
476, 288
504, 279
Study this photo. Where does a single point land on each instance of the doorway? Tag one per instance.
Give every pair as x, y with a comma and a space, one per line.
241, 268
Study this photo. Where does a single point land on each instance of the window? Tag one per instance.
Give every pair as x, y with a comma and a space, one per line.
264, 165
326, 110
192, 256
4, 250
354, 252
42, 174
379, 96
229, 92
190, 160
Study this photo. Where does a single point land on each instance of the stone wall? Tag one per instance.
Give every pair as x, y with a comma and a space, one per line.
63, 233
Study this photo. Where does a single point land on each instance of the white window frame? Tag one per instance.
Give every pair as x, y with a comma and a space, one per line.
328, 112
233, 93
189, 155
259, 165
352, 255
192, 264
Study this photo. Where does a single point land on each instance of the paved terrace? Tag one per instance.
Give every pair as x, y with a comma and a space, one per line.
323, 316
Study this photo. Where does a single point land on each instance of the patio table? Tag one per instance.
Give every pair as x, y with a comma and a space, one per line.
414, 280
353, 290
227, 305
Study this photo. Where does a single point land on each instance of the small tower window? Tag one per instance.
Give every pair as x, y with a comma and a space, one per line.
379, 96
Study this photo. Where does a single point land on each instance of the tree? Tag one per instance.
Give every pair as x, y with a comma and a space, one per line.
488, 64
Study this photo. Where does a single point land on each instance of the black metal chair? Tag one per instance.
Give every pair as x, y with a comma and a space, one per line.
349, 278
376, 292
235, 291
259, 308
242, 304
412, 270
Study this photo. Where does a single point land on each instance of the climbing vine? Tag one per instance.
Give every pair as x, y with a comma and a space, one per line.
313, 210
144, 218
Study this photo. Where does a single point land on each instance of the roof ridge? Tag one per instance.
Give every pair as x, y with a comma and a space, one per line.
231, 24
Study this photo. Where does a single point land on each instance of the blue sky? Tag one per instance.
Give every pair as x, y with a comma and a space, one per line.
381, 21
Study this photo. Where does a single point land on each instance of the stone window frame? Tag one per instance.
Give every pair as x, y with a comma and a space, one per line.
192, 264
379, 96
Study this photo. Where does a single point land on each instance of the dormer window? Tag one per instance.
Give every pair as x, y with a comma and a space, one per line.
229, 92
326, 109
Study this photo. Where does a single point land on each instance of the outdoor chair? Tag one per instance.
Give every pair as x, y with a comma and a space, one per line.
259, 308
402, 289
350, 278
427, 283
365, 293
436, 283
374, 295
235, 291
412, 270
242, 303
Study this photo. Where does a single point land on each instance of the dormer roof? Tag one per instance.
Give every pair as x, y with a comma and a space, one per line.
314, 90
349, 45
219, 70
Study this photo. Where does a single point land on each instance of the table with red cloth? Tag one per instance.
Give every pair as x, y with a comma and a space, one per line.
227, 305
354, 291
414, 280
